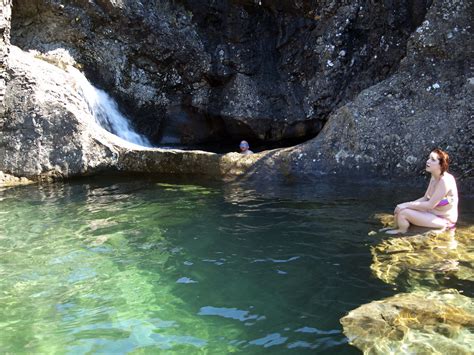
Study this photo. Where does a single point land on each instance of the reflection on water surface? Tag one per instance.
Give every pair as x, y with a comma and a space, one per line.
138, 266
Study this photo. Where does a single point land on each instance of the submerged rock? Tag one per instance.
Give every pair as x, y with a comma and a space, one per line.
429, 260
386, 219
437, 322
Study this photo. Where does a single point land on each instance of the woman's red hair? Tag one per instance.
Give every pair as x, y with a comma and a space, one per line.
443, 159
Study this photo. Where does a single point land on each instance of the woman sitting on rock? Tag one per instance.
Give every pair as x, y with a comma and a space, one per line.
438, 208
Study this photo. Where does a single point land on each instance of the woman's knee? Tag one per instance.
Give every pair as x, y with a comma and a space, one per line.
410, 216
404, 213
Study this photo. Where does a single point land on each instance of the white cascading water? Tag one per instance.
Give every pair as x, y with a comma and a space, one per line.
105, 111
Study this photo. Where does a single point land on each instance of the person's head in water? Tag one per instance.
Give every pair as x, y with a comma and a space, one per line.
245, 148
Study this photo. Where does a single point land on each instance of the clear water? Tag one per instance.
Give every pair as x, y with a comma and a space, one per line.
140, 266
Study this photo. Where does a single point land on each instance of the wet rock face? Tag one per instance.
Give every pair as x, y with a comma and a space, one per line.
144, 53
194, 72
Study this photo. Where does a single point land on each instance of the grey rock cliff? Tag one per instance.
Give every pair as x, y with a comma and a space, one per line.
5, 23
48, 132
200, 72
390, 128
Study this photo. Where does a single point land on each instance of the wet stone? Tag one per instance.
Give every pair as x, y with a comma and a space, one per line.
421, 322
426, 261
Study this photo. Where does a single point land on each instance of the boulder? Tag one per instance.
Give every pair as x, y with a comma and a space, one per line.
47, 130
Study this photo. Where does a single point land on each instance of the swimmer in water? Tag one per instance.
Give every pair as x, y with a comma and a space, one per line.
244, 148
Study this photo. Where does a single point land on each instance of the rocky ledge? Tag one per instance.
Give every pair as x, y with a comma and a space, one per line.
7, 180
50, 132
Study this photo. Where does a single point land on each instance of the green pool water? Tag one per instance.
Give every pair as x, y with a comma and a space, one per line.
141, 266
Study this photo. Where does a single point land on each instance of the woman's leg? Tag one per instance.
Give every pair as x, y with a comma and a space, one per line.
401, 223
418, 218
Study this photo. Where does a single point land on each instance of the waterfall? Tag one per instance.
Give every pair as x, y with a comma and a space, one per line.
105, 111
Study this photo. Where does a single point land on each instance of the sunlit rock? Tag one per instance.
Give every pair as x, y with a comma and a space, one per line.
59, 57
7, 180
429, 260
48, 130
386, 219
235, 164
52, 133
413, 323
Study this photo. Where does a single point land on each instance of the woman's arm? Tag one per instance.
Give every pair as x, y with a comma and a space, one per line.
421, 199
404, 205
441, 189
408, 204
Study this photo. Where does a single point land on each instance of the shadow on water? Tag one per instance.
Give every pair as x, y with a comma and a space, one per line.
146, 264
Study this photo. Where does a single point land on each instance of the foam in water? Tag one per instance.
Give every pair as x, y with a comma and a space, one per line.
105, 111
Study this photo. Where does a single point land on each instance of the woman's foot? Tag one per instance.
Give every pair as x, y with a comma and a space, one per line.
395, 231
